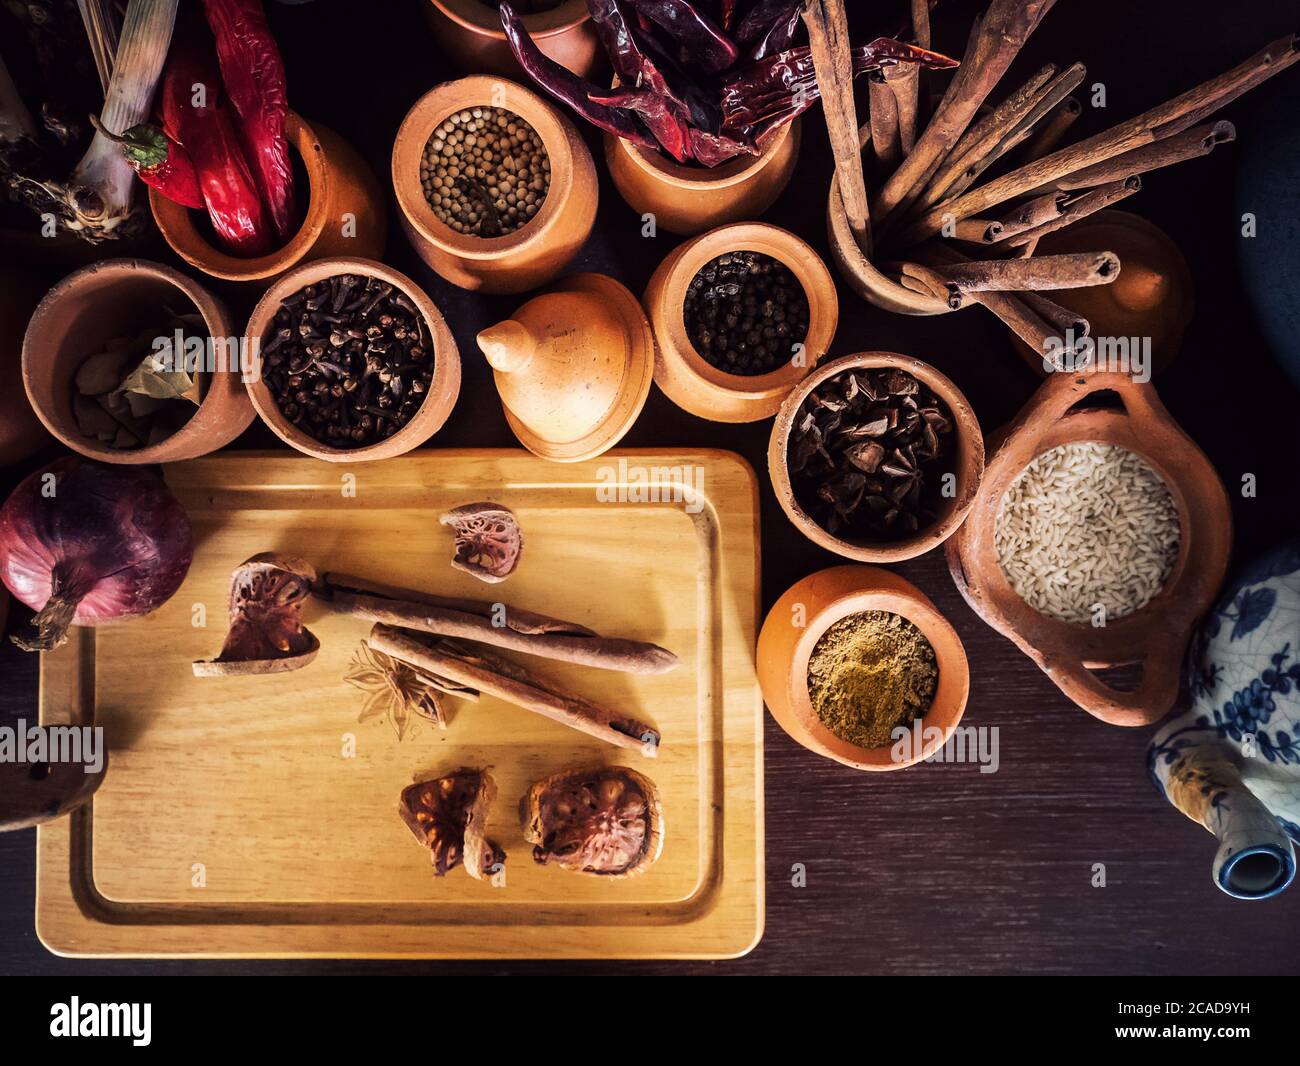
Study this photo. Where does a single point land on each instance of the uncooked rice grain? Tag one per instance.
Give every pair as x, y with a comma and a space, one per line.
1087, 524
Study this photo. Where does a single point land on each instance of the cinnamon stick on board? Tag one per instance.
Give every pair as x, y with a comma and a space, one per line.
1072, 270
494, 676
828, 38
1172, 117
995, 42
468, 620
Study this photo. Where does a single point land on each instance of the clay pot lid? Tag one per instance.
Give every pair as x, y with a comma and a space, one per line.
1152, 297
573, 367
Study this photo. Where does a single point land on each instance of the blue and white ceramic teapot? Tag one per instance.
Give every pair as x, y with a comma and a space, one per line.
1232, 762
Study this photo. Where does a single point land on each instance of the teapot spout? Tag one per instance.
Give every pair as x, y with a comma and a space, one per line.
1256, 858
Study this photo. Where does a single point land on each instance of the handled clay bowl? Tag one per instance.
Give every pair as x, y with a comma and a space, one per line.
809, 608
1155, 636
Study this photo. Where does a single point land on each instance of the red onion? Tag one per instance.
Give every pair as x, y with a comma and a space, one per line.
86, 543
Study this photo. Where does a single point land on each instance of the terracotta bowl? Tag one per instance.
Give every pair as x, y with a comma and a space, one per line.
690, 199
968, 461
860, 273
818, 602
684, 375
1155, 636
469, 33
21, 433
438, 401
537, 251
112, 298
1152, 297
346, 214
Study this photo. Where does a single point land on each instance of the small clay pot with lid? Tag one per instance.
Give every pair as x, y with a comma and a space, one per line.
469, 33
345, 212
819, 601
524, 258
116, 297
966, 461
573, 367
439, 398
685, 376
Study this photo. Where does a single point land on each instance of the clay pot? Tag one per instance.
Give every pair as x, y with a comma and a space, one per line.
438, 401
537, 251
691, 199
21, 432
967, 461
573, 367
1155, 636
116, 297
859, 272
819, 601
1152, 297
469, 33
684, 375
342, 197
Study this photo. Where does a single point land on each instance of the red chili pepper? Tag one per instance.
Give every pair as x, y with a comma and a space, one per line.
254, 75
194, 117
159, 161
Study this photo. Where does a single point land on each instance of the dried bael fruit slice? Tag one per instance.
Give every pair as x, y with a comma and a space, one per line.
606, 821
488, 540
266, 631
448, 815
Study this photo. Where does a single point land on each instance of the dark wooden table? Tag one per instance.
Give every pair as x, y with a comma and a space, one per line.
938, 869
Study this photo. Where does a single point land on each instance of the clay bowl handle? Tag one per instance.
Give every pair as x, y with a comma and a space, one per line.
32, 793
1157, 635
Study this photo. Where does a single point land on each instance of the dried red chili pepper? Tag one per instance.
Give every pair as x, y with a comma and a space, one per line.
769, 27
253, 73
694, 31
161, 162
634, 68
658, 113
567, 87
776, 89
194, 117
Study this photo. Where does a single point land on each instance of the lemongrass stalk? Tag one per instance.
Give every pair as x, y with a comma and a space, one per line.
100, 192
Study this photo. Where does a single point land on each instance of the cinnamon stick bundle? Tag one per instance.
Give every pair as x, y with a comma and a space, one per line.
495, 676
1172, 117
522, 631
1070, 271
995, 41
1079, 207
1190, 144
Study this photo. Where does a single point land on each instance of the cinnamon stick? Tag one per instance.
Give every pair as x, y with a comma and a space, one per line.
1159, 122
469, 620
1072, 270
1067, 323
903, 80
1190, 144
978, 230
828, 39
1034, 213
995, 42
885, 136
1080, 207
1050, 133
494, 676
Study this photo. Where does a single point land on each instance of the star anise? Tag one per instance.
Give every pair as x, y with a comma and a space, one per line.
398, 690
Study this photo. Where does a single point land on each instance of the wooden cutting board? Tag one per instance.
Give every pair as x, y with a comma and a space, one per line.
257, 816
